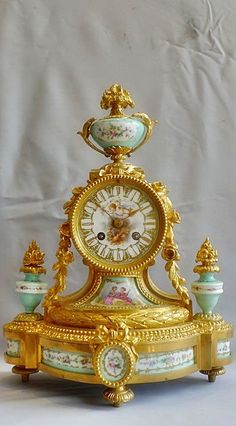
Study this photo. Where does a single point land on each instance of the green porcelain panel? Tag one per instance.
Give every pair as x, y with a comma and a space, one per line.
163, 362
13, 347
76, 362
127, 132
114, 362
223, 349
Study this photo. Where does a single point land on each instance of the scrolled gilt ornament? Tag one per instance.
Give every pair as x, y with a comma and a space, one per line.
64, 258
86, 133
148, 122
107, 334
68, 206
118, 168
114, 336
161, 189
177, 281
170, 251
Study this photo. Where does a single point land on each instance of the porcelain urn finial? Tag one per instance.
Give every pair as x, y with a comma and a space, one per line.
32, 289
207, 289
117, 134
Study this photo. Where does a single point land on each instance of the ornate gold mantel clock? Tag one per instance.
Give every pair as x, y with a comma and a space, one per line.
119, 328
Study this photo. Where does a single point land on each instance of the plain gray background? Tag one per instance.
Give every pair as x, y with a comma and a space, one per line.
178, 60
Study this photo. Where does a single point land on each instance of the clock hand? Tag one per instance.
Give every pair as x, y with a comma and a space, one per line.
133, 212
117, 223
102, 208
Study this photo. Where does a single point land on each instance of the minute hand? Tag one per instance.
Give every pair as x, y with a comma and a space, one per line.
104, 210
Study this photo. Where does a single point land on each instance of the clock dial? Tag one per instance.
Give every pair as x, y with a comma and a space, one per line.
118, 223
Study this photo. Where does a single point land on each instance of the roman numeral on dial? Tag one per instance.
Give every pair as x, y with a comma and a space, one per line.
86, 223
146, 238
150, 223
90, 207
101, 196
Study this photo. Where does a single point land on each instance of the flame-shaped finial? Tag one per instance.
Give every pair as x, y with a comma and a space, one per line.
33, 260
117, 99
208, 257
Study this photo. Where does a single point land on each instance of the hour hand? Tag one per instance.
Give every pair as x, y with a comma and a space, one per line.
133, 212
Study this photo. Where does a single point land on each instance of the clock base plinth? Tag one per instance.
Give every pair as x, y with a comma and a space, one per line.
118, 358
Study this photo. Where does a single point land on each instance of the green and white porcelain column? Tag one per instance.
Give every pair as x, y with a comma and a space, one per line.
32, 289
207, 289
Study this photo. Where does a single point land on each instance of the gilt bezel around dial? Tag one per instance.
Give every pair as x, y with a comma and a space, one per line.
87, 203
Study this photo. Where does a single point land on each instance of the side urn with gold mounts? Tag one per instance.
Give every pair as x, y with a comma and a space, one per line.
120, 328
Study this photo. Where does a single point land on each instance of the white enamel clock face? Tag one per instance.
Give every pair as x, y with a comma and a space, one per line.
118, 223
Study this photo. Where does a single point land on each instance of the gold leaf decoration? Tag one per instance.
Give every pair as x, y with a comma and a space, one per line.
33, 260
208, 257
139, 319
177, 281
64, 258
117, 99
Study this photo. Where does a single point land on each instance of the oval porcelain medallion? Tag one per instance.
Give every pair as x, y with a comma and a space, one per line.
114, 364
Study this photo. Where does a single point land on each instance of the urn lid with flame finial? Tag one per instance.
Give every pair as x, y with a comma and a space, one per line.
208, 257
33, 260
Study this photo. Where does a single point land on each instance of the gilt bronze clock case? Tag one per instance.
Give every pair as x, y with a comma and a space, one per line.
120, 328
